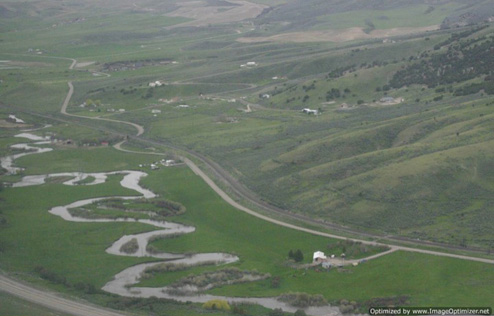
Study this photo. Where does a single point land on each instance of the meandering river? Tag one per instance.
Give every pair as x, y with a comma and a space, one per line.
124, 283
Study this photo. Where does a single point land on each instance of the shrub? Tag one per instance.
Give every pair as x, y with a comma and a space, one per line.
217, 305
300, 312
276, 312
130, 247
303, 300
50, 276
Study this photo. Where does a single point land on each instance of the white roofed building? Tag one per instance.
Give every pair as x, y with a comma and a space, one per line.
319, 256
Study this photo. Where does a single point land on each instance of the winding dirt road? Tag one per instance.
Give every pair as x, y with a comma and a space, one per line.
140, 129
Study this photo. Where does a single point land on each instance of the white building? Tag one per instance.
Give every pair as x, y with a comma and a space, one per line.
157, 83
319, 256
16, 119
309, 111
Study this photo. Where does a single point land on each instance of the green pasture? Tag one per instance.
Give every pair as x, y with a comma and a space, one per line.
97, 159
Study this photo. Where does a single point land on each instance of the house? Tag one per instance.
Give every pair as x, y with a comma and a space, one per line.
251, 63
157, 83
319, 257
155, 111
15, 119
168, 162
387, 100
309, 111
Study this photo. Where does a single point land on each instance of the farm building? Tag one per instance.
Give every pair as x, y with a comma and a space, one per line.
318, 257
310, 112
15, 119
387, 99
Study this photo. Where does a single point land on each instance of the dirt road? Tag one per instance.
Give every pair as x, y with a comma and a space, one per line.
139, 128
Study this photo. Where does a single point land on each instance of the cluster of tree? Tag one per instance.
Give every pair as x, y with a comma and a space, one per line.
369, 26
131, 303
347, 307
130, 91
311, 87
457, 36
303, 300
487, 86
461, 62
149, 94
333, 94
297, 255
338, 72
175, 207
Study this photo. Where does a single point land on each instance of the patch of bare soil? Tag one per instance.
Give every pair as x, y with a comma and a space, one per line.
85, 64
204, 15
345, 35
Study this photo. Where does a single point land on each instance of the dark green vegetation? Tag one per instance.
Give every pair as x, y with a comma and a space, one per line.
157, 209
418, 165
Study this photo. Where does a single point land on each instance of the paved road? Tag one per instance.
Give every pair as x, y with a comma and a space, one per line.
52, 300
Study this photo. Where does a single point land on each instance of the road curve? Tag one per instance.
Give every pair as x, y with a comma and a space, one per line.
53, 301
63, 110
